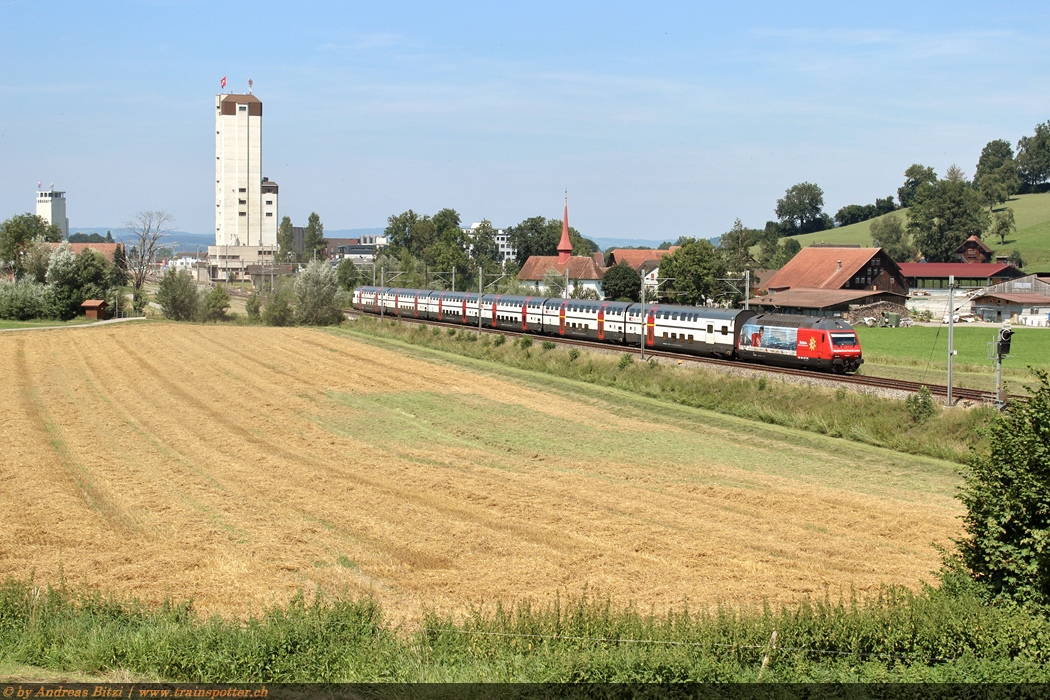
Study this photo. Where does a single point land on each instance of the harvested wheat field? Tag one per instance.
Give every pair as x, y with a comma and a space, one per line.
238, 465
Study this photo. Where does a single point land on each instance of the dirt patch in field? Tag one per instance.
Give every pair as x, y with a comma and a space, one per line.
239, 465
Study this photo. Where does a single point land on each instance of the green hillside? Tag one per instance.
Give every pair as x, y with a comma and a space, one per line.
1032, 238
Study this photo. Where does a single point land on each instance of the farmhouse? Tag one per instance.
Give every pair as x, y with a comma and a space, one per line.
826, 280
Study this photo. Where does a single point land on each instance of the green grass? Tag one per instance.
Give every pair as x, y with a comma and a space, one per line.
1032, 238
946, 635
920, 353
42, 322
861, 418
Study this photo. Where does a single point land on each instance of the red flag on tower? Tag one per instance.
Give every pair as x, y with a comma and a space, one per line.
223, 81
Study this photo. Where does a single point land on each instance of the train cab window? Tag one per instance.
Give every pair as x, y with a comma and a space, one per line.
710, 328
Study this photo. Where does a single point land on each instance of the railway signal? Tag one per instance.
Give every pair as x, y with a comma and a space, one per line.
1002, 349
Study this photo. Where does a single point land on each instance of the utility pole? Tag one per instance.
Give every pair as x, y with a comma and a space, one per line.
481, 274
951, 332
382, 283
747, 289
643, 317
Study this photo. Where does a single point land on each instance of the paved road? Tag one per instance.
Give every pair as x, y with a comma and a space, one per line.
79, 325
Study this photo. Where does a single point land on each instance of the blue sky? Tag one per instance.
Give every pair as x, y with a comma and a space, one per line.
661, 119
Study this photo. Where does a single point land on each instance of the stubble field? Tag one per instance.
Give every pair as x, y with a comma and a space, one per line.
238, 465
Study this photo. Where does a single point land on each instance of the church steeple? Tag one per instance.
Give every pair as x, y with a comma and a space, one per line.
565, 245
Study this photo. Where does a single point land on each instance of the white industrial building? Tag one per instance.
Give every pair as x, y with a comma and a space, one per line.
51, 207
246, 213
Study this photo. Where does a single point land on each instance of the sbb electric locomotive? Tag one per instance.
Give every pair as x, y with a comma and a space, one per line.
785, 340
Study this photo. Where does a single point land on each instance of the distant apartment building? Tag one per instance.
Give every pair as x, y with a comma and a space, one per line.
504, 251
51, 207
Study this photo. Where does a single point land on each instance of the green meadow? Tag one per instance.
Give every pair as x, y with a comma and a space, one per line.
1032, 238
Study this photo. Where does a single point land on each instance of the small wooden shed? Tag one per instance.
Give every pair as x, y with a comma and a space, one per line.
95, 308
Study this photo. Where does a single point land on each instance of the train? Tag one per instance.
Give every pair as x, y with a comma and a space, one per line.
784, 340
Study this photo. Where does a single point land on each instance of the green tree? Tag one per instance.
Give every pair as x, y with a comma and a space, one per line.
63, 283
1003, 224
801, 209
317, 295
93, 275
786, 249
996, 177
18, 233
278, 310
1015, 259
253, 307
286, 241
1006, 547
889, 234
1033, 155
622, 283
119, 271
215, 304
735, 247
313, 238
347, 275
693, 272
539, 236
483, 248
35, 260
914, 177
177, 295
943, 215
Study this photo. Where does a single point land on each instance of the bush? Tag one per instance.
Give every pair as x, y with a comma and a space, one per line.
253, 306
177, 295
317, 296
23, 300
625, 361
920, 405
525, 343
214, 305
549, 345
278, 311
1007, 499
451, 332
574, 354
500, 340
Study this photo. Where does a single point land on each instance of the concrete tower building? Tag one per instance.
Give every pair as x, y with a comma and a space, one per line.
51, 206
245, 204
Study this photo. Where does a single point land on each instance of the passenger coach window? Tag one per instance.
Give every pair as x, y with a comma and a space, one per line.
725, 331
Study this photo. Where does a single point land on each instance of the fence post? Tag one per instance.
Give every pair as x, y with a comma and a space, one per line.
765, 659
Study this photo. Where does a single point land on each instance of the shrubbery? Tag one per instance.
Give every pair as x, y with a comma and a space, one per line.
1007, 497
317, 300
24, 300
178, 296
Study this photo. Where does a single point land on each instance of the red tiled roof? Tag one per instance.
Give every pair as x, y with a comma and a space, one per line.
810, 298
106, 249
637, 258
818, 267
580, 268
959, 269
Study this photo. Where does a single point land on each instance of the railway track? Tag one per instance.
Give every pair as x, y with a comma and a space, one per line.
958, 393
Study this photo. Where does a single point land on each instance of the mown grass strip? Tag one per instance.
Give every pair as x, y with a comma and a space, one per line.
949, 435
